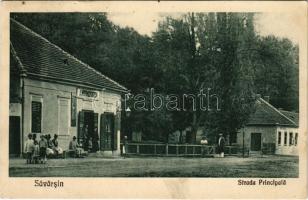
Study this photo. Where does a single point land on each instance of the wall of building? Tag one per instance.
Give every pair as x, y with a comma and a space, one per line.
52, 95
268, 135
290, 147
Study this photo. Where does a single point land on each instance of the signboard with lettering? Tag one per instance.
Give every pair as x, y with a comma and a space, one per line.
88, 93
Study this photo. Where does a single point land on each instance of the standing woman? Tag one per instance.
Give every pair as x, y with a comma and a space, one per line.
85, 137
58, 150
49, 150
43, 147
125, 146
221, 145
95, 141
29, 147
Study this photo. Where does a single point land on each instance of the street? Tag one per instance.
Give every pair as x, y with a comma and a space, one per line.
266, 166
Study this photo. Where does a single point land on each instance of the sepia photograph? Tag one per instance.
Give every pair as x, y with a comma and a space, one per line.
156, 94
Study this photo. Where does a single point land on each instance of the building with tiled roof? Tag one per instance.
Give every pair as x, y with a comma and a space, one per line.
270, 130
52, 92
45, 61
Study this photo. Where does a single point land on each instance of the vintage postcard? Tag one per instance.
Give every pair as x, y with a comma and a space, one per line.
153, 99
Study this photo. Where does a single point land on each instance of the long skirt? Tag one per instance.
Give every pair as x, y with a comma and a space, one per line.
220, 149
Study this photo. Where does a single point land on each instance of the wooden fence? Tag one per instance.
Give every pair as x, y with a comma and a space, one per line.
177, 149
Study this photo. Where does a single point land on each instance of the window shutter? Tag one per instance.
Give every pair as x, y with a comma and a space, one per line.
102, 132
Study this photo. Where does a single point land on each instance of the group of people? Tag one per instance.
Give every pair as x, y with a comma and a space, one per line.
75, 148
220, 145
38, 151
90, 142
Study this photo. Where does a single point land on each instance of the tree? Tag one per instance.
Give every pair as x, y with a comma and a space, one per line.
186, 55
277, 75
201, 52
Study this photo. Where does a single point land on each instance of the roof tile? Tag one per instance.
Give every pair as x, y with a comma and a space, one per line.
266, 114
43, 59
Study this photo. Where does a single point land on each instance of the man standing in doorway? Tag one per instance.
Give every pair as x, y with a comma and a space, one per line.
221, 145
85, 137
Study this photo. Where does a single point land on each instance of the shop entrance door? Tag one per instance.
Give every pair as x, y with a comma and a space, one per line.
107, 133
88, 125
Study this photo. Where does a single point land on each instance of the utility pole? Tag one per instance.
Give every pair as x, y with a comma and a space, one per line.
243, 143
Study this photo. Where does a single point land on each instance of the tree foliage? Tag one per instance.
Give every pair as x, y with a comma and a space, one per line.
194, 52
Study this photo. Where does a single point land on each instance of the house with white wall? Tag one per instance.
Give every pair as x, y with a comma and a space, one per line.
270, 130
52, 92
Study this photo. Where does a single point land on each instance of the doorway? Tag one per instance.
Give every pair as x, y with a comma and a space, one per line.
107, 134
255, 142
88, 130
14, 138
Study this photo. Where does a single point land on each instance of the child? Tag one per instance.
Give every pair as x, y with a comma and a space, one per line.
36, 152
43, 146
29, 146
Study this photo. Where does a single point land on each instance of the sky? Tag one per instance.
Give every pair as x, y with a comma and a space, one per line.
278, 24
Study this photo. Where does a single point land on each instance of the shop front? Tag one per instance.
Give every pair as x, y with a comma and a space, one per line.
63, 97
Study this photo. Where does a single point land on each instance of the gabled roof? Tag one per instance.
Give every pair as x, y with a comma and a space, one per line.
291, 115
42, 59
266, 114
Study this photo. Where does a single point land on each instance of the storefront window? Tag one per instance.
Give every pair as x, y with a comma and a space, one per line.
285, 138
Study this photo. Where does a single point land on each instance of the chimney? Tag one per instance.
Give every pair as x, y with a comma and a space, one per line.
258, 96
267, 98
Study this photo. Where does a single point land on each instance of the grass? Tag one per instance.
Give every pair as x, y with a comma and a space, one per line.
270, 167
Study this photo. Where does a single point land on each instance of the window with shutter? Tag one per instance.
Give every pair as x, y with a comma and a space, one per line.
279, 138
291, 142
296, 139
36, 120
285, 141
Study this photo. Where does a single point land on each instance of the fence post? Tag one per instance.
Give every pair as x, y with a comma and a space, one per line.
185, 149
166, 149
177, 150
137, 150
155, 149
